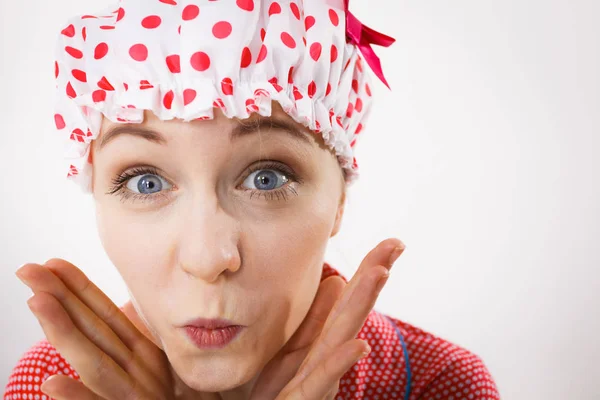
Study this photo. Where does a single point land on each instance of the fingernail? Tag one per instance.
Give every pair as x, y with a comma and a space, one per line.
29, 301
25, 281
44, 387
18, 274
365, 352
395, 254
382, 280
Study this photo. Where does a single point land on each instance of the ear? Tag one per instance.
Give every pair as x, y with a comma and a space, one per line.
339, 215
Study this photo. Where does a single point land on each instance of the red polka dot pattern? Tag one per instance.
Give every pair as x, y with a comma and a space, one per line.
309, 22
70, 91
334, 53
288, 40
99, 96
168, 99
59, 121
295, 10
69, 31
335, 20
358, 105
222, 29
73, 52
173, 63
262, 54
246, 57
315, 51
274, 8
139, 52
247, 5
151, 22
312, 89
105, 84
190, 12
439, 369
79, 75
200, 61
227, 86
251, 106
120, 14
188, 96
166, 55
144, 84
100, 51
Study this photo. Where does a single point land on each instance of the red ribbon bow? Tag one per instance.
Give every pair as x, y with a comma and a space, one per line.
362, 36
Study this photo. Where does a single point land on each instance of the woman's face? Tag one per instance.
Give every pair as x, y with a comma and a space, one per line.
217, 219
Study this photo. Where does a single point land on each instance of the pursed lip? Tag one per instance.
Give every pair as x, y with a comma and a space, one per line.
211, 333
207, 323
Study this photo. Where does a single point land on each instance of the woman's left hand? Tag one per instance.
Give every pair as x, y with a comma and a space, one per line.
324, 347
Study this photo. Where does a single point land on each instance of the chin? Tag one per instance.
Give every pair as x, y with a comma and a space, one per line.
217, 375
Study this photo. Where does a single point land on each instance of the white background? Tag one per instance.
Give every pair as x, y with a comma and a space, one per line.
483, 159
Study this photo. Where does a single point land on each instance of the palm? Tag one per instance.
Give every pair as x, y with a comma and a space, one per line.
110, 348
284, 366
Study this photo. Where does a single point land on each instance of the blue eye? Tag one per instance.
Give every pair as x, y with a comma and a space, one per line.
266, 179
147, 184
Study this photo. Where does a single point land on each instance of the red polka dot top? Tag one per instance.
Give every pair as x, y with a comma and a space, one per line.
405, 363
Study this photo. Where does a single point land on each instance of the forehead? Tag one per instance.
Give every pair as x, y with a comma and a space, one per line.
233, 127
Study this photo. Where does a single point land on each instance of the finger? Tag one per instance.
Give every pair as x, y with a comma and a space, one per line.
357, 300
41, 279
133, 316
61, 387
333, 391
383, 255
326, 376
328, 293
130, 334
99, 303
97, 370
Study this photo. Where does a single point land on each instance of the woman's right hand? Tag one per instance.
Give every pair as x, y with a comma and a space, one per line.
115, 358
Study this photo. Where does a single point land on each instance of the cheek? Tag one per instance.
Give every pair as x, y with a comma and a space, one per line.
133, 244
287, 260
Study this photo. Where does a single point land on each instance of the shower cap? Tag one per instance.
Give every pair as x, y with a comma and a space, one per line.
183, 58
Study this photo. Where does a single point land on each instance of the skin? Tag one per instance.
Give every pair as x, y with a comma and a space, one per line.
207, 249
213, 245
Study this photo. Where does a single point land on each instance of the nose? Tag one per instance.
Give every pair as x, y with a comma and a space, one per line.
208, 244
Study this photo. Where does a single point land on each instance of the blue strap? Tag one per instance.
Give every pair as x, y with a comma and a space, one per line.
407, 363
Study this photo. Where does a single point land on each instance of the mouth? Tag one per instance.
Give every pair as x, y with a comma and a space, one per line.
212, 333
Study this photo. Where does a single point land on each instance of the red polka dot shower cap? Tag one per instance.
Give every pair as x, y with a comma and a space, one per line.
183, 58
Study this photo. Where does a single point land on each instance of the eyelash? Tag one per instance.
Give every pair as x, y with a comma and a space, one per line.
119, 182
280, 192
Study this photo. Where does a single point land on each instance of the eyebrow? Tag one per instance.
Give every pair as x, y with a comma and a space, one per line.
243, 128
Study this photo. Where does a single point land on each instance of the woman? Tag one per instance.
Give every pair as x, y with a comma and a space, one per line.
217, 139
